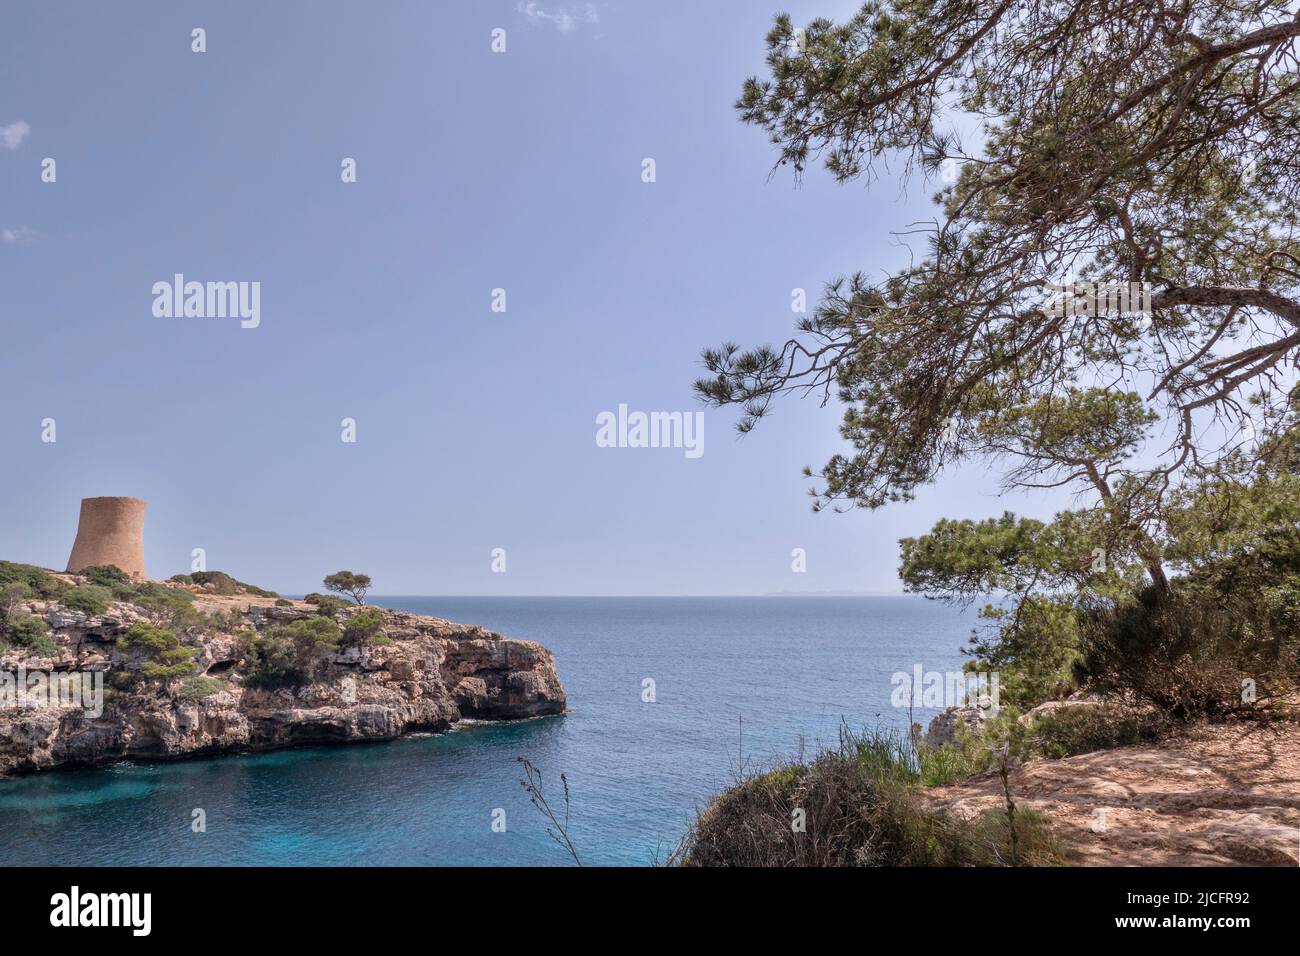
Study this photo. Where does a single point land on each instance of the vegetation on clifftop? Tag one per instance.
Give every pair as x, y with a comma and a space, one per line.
291, 653
158, 653
1178, 576
857, 806
39, 582
219, 582
350, 583
1108, 301
157, 656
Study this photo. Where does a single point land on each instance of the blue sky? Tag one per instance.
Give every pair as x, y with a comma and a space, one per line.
475, 170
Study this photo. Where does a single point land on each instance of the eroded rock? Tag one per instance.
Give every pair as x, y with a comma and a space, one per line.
432, 674
945, 726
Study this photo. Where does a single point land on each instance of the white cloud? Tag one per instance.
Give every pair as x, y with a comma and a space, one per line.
12, 136
566, 19
17, 234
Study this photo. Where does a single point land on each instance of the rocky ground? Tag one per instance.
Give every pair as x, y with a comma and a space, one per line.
432, 674
1219, 795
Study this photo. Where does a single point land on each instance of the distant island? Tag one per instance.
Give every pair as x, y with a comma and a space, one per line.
834, 593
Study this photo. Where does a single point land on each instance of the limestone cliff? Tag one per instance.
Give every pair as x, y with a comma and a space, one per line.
420, 673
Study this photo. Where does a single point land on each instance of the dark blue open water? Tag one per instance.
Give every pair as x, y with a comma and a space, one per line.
791, 667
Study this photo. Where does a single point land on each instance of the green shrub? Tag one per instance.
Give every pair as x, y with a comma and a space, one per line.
1190, 651
225, 622
222, 583
197, 688
41, 583
291, 654
219, 582
91, 599
860, 808
152, 589
1034, 648
147, 638
110, 577
42, 645
23, 628
281, 602
29, 631
12, 595
1078, 730
861, 804
1066, 732
181, 579
271, 661
326, 604
171, 608
364, 628
959, 760
175, 614
161, 654
312, 634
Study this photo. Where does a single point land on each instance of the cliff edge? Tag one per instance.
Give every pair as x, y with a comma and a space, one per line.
1215, 795
405, 673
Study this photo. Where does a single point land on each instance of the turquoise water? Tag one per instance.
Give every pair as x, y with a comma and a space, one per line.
791, 668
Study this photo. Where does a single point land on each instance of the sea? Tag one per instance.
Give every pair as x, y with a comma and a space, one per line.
670, 701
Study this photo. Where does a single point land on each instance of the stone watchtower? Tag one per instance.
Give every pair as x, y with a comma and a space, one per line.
111, 531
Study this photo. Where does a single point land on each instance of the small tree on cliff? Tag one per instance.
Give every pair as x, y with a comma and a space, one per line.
365, 627
350, 583
291, 654
12, 596
160, 653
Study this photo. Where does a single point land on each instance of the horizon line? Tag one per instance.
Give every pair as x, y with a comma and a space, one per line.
768, 594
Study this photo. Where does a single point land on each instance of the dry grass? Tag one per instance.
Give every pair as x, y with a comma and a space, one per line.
858, 806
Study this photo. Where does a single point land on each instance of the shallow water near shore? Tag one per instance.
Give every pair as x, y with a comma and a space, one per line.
791, 667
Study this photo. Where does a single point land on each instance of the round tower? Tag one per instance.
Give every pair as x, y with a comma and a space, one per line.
111, 531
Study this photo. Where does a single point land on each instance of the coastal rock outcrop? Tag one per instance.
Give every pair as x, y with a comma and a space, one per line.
421, 674
948, 724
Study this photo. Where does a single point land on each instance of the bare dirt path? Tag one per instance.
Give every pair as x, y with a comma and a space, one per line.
1225, 795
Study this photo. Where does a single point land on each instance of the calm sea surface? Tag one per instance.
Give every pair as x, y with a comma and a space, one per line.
787, 669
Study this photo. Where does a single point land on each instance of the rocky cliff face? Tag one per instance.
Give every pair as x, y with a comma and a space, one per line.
422, 674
